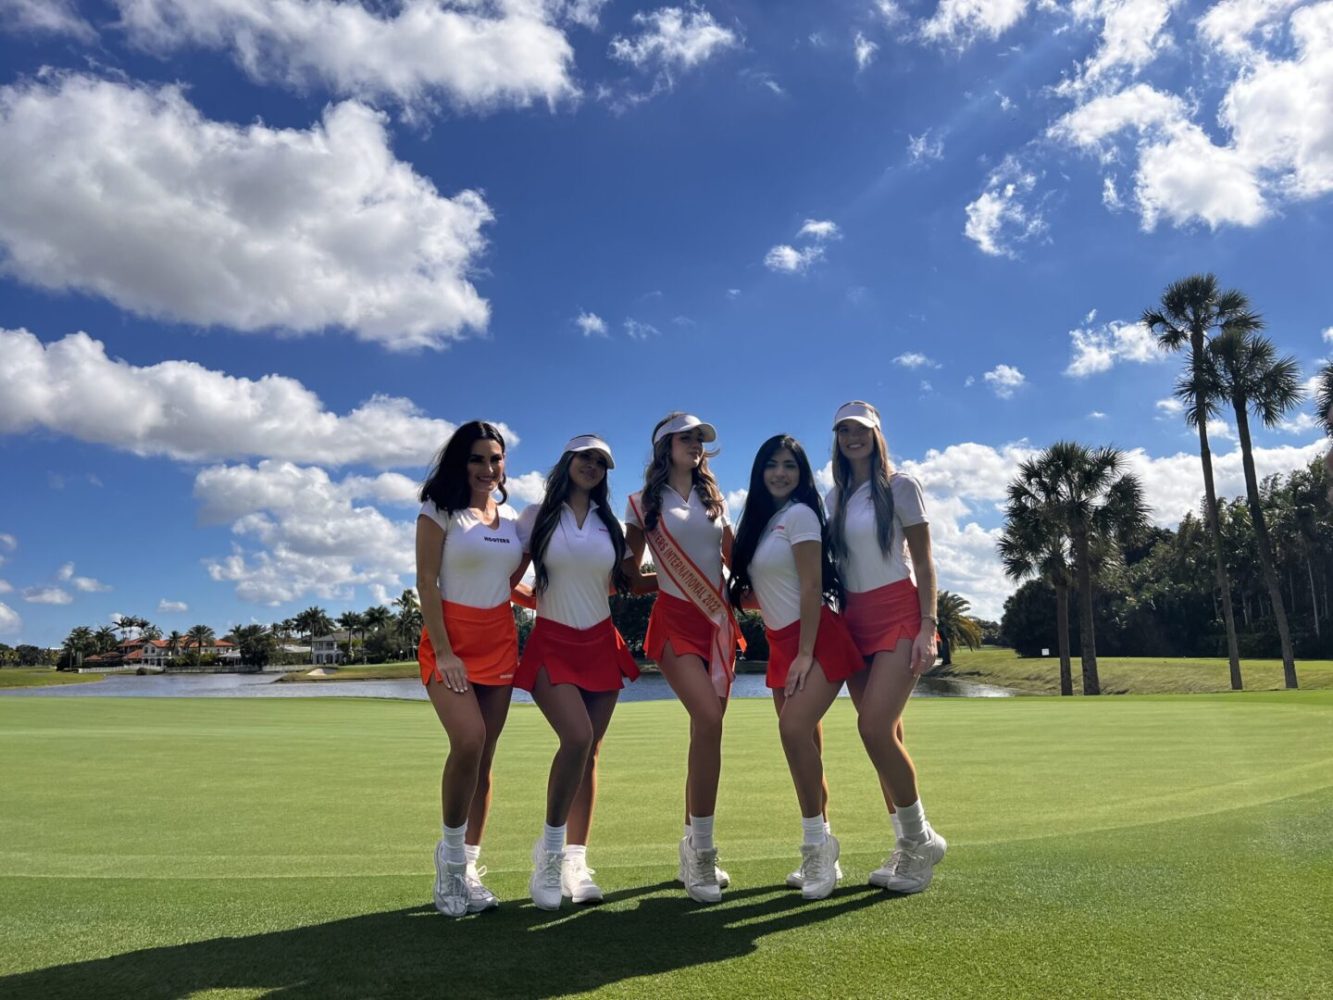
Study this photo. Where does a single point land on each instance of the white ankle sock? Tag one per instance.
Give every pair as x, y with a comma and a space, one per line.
553, 838
701, 832
913, 820
579, 851
473, 852
453, 844
897, 825
827, 829
812, 830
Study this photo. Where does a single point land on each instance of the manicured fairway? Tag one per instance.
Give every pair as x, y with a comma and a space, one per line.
1172, 846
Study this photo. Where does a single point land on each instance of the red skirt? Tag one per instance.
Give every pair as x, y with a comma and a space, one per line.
594, 659
881, 618
681, 624
483, 638
835, 652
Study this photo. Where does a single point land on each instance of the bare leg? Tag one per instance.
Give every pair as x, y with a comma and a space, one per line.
463, 722
600, 706
779, 698
562, 704
688, 677
798, 722
886, 690
856, 686
493, 700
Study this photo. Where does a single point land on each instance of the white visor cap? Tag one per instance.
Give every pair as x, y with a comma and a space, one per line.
857, 412
685, 422
591, 442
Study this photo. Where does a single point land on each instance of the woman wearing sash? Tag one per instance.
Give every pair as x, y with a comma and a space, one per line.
692, 635
575, 660
881, 540
782, 558
468, 559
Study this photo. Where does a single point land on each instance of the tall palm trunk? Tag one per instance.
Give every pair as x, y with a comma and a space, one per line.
1210, 498
1062, 637
1266, 560
1086, 639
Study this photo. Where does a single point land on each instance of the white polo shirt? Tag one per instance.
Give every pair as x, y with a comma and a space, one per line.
865, 567
773, 573
578, 562
687, 522
478, 560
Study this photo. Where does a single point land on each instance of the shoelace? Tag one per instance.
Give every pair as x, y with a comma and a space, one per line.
455, 885
551, 876
705, 869
475, 888
814, 866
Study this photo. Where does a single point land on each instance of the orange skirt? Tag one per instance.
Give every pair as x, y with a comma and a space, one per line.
594, 659
835, 652
681, 624
483, 638
881, 618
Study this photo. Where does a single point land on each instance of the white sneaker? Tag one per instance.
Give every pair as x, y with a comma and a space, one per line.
723, 879
916, 862
796, 879
544, 886
818, 861
699, 868
576, 880
881, 875
450, 885
478, 896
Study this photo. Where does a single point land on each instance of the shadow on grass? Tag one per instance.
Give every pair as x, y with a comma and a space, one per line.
517, 951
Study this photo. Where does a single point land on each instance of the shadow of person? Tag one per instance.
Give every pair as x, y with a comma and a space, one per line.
517, 951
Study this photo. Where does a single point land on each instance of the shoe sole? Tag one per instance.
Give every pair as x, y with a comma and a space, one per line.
587, 900
910, 889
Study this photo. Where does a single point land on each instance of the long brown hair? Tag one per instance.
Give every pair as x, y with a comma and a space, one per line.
881, 470
659, 469
548, 517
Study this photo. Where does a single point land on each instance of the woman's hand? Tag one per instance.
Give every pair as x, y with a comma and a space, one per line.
451, 668
923, 649
800, 666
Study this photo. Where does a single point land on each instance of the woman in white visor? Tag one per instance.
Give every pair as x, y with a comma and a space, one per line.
681, 517
575, 660
881, 540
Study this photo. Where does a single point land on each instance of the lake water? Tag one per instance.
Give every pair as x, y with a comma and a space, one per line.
649, 687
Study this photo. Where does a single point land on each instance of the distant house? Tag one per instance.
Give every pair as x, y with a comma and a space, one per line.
328, 648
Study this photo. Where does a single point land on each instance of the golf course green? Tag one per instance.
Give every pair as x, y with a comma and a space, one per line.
1165, 846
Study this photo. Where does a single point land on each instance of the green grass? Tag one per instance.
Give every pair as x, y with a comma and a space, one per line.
1166, 846
26, 677
1133, 674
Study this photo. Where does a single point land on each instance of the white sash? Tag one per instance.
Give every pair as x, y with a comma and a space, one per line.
711, 601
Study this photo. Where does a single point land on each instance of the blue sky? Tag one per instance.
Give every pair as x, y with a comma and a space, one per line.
258, 259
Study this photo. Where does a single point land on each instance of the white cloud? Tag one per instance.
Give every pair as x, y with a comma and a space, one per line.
673, 38
84, 584
1096, 415
959, 23
1169, 407
736, 502
475, 56
1006, 102
924, 147
1097, 349
890, 13
1328, 335
1302, 423
1133, 34
527, 488
819, 230
639, 330
1005, 380
864, 50
10, 622
56, 17
585, 13
926, 386
998, 219
915, 359
128, 192
166, 607
824, 477
591, 324
47, 595
188, 412
6, 587
1229, 24
1220, 430
788, 260
8, 542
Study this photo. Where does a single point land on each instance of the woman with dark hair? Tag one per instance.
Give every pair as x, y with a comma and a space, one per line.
575, 660
781, 557
692, 635
881, 540
468, 560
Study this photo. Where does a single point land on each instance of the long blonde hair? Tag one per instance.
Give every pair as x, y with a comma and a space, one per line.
881, 470
659, 469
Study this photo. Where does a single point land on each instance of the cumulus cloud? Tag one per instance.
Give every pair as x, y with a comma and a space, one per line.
1005, 380
591, 324
960, 23
84, 584
915, 359
474, 56
1000, 219
186, 411
47, 595
55, 17
787, 259
1231, 24
1098, 349
10, 622
673, 38
1133, 34
126, 191
298, 532
527, 488
1169, 407
166, 607
1328, 335
819, 230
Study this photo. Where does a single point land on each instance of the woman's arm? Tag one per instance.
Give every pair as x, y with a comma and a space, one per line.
728, 540
519, 592
430, 555
635, 543
809, 578
923, 565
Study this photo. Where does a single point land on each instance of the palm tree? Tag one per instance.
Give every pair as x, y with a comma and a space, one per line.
200, 636
409, 618
1244, 369
174, 643
954, 625
1189, 309
104, 639
353, 622
78, 643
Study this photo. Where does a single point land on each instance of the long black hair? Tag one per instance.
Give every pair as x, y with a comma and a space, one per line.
548, 517
446, 483
760, 508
